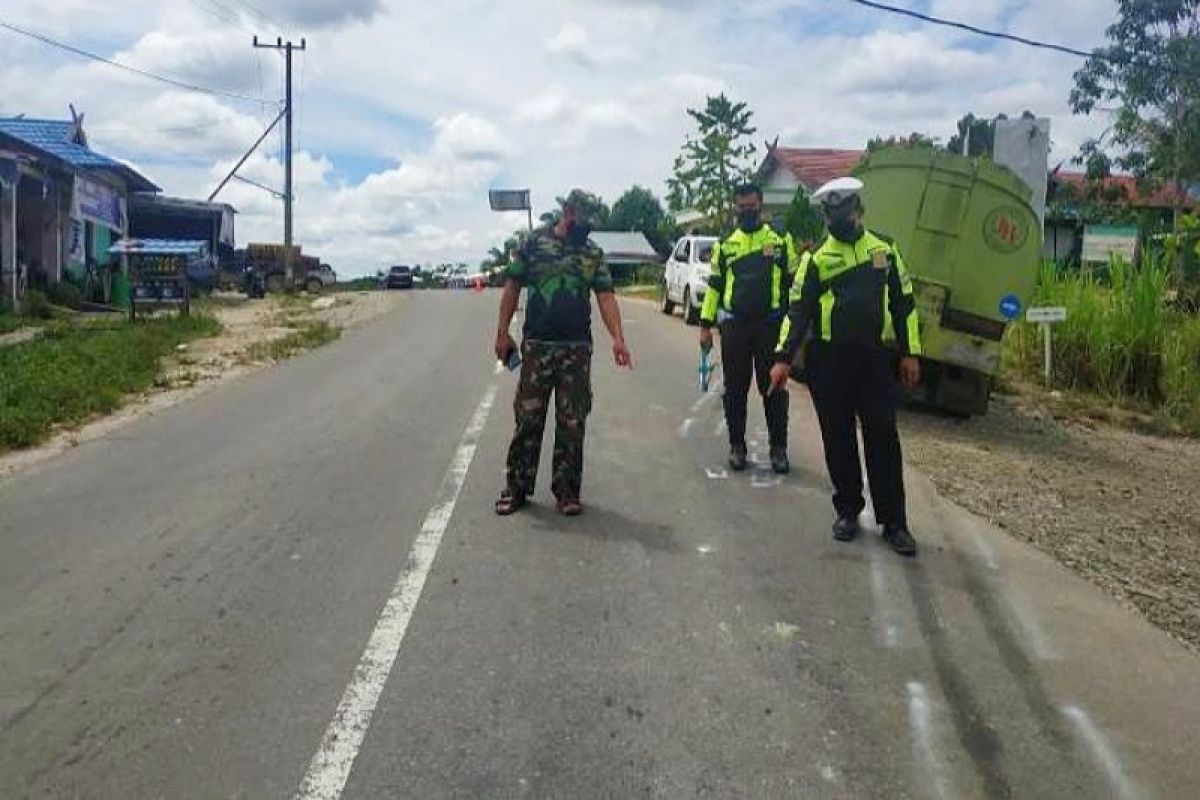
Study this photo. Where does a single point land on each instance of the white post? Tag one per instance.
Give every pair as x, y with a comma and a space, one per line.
1047, 356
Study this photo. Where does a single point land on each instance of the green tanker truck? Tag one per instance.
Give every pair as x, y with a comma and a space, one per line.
973, 242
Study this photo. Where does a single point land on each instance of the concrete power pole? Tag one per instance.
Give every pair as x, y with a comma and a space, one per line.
287, 48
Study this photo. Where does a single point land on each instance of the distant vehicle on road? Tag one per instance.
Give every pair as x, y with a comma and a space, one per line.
685, 279
320, 278
399, 277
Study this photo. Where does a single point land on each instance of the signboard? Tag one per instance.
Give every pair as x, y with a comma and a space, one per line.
1102, 242
100, 204
509, 200
1046, 314
76, 250
1010, 307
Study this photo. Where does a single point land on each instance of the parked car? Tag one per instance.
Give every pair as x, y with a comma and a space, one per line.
399, 277
321, 278
685, 279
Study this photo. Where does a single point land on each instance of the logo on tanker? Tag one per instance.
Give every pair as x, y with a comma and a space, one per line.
1005, 229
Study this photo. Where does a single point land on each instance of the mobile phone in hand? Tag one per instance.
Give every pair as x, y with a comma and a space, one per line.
513, 362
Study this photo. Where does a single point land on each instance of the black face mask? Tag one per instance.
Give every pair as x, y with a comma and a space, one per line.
749, 221
578, 233
845, 229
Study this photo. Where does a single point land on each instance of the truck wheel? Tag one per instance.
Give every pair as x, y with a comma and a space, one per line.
313, 286
691, 312
275, 283
667, 306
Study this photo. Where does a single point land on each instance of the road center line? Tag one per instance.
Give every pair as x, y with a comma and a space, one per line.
330, 767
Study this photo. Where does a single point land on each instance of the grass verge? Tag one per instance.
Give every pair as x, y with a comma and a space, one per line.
73, 373
647, 292
1121, 342
10, 323
311, 334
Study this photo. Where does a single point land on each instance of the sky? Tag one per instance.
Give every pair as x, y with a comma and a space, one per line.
407, 112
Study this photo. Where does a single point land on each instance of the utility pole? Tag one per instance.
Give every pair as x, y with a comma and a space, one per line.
287, 48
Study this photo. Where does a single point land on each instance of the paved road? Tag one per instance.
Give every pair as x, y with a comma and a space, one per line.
208, 603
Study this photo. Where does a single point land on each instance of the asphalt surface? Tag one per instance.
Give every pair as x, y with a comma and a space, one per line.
188, 605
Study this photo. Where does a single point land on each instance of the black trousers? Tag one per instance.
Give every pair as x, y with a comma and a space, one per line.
748, 350
852, 383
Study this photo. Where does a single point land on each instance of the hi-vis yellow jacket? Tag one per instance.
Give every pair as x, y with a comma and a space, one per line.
859, 293
752, 275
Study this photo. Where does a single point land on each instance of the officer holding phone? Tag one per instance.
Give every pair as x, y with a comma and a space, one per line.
560, 267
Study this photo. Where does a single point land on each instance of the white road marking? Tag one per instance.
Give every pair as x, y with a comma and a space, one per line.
330, 767
764, 478
500, 367
716, 474
705, 398
704, 549
1103, 752
985, 550
1038, 640
722, 428
920, 717
686, 427
886, 627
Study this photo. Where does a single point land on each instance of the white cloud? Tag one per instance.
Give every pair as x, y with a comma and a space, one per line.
408, 112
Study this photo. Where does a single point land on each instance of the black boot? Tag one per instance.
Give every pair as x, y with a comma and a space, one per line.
900, 539
737, 457
779, 461
845, 527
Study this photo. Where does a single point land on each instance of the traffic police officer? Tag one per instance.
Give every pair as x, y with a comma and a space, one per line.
856, 294
752, 273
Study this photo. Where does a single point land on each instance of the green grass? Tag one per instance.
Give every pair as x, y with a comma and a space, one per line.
310, 335
645, 292
10, 323
1120, 342
73, 373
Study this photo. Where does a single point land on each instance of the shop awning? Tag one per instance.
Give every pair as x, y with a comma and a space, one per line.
159, 247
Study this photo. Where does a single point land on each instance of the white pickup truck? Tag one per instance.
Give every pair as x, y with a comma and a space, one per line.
686, 277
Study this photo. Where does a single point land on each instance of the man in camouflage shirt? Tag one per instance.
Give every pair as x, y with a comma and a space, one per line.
560, 267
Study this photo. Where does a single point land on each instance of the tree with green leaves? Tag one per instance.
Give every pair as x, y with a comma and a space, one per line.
1151, 71
639, 210
712, 162
595, 211
804, 221
913, 140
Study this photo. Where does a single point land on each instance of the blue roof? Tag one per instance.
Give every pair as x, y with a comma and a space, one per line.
54, 138
159, 247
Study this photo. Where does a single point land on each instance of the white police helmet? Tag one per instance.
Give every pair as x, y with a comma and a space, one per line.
837, 192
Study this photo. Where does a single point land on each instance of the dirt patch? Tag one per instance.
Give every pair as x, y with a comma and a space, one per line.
238, 350
1117, 506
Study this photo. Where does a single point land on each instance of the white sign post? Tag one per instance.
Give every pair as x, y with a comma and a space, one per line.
1046, 317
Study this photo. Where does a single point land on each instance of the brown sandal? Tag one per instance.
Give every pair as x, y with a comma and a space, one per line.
570, 507
510, 503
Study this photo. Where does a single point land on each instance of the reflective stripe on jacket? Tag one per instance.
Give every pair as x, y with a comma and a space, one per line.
858, 292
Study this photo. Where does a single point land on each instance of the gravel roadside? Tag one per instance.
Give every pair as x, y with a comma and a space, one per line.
1119, 507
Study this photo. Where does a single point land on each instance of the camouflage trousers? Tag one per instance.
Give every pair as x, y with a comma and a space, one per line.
566, 371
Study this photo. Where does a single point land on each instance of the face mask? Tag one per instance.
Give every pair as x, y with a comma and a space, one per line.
578, 233
845, 229
749, 221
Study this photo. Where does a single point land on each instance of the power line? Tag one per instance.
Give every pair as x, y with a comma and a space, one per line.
191, 87
947, 23
262, 16
1097, 54
234, 19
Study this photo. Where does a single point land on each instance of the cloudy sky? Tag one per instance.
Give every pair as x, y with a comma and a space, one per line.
407, 111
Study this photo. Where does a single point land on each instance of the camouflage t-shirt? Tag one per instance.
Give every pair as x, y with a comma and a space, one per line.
559, 278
